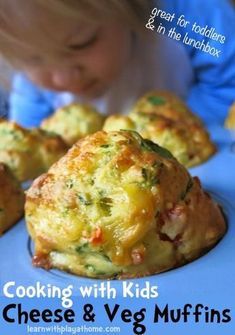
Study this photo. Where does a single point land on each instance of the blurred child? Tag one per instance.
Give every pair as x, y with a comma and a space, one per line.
101, 52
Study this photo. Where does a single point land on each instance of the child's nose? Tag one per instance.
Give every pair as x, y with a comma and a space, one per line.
63, 79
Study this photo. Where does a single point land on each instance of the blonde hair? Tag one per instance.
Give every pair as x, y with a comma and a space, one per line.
22, 29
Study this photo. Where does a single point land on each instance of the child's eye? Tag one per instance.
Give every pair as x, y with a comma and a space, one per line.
80, 46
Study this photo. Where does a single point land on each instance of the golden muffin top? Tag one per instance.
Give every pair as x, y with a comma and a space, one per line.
165, 104
117, 205
116, 181
164, 119
28, 152
73, 122
230, 121
11, 199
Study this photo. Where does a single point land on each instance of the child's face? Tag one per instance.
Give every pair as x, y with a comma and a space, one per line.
100, 52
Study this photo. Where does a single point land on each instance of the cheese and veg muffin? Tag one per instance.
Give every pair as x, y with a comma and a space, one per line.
73, 122
119, 206
165, 104
230, 121
28, 152
11, 199
165, 120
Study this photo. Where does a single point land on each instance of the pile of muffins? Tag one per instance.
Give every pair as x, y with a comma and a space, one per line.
120, 202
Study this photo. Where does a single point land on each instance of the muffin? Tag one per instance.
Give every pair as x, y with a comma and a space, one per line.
119, 206
164, 119
230, 121
28, 152
11, 199
73, 122
165, 104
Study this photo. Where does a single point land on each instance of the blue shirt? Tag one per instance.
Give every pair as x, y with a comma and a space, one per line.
213, 88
